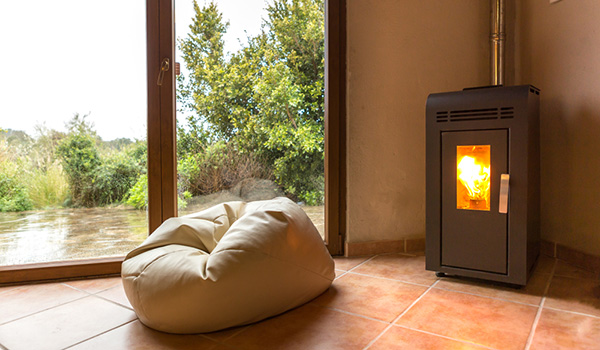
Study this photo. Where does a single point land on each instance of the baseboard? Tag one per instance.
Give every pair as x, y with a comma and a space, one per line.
569, 255
409, 245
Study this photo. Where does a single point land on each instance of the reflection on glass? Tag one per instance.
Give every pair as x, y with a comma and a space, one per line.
250, 103
473, 171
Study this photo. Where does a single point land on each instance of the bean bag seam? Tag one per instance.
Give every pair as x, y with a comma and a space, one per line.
162, 256
273, 257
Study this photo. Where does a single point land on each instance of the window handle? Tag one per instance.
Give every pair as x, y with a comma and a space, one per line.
164, 66
503, 207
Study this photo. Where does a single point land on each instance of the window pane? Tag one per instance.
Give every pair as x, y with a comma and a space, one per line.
73, 120
251, 103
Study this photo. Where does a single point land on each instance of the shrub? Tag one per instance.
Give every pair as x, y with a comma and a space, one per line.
114, 177
95, 180
218, 167
13, 195
137, 196
80, 160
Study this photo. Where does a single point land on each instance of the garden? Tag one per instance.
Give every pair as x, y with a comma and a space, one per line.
248, 121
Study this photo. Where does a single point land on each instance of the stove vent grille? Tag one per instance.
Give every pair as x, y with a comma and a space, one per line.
475, 114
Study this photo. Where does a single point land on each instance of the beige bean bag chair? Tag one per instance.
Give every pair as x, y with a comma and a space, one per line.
233, 264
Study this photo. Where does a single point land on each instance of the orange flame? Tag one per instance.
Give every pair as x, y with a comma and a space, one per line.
475, 177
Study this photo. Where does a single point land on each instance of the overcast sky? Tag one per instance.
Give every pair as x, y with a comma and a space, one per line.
63, 57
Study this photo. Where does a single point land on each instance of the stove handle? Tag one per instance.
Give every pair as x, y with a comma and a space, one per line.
503, 207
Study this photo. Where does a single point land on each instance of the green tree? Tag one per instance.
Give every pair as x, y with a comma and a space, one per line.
80, 160
267, 98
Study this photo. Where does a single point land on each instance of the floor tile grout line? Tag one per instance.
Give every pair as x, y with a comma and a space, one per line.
42, 310
577, 278
362, 263
238, 332
9, 288
101, 333
406, 254
536, 320
220, 342
571, 312
552, 275
487, 297
538, 314
443, 336
353, 314
552, 272
398, 253
390, 279
112, 301
85, 291
399, 316
343, 274
414, 302
378, 336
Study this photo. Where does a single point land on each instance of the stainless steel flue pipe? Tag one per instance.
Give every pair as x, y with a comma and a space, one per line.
497, 42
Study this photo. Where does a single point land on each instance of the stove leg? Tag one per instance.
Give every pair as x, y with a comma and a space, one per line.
440, 274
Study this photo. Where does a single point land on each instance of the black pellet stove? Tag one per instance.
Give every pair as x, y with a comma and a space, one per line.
483, 183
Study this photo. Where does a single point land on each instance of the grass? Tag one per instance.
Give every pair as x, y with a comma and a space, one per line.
47, 189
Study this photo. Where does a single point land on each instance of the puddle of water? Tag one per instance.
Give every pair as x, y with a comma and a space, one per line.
65, 234
68, 234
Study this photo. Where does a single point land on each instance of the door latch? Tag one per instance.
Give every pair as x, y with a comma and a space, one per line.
164, 66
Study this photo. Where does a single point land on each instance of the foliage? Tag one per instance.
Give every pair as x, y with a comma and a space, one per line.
217, 167
95, 178
31, 163
138, 152
137, 196
264, 101
114, 177
80, 161
47, 188
62, 169
13, 194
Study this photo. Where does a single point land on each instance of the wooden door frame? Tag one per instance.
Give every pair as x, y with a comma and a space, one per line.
162, 166
162, 158
335, 125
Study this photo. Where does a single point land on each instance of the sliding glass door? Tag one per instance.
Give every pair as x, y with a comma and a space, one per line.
90, 145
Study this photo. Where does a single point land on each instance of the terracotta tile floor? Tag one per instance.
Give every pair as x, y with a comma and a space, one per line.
377, 302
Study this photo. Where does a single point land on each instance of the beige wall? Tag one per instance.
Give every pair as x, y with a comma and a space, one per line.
558, 50
398, 53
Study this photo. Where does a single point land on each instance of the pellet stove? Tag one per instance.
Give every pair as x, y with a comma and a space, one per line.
483, 186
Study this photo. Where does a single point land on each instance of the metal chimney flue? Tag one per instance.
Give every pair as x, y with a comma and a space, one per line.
497, 35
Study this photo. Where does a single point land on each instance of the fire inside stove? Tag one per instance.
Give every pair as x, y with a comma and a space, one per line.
473, 177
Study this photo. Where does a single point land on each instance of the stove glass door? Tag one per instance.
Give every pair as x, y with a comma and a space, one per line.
473, 177
474, 231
